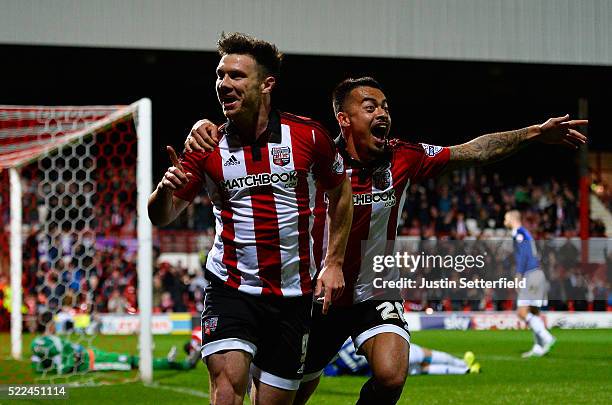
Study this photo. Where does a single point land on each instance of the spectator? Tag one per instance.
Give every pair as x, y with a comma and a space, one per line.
167, 305
117, 303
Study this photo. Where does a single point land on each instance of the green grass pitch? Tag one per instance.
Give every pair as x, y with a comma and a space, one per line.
577, 371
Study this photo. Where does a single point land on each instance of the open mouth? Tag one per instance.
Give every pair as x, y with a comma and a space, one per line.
379, 132
229, 102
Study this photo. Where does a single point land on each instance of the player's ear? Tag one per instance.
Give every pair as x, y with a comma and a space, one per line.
343, 119
268, 84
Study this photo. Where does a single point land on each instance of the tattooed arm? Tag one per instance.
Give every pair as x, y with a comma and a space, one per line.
490, 148
493, 147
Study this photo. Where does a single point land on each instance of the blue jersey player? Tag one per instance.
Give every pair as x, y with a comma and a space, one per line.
421, 361
534, 295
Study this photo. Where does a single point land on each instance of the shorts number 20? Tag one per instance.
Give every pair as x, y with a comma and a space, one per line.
386, 310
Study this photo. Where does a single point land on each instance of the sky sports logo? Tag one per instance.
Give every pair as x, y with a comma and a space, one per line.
289, 179
388, 197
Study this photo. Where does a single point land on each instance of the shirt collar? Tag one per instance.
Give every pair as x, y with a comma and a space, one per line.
349, 161
272, 133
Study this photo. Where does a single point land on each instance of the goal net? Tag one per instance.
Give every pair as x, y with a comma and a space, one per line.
75, 241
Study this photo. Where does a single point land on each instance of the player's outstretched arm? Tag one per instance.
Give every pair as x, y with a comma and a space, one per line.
163, 206
490, 148
330, 283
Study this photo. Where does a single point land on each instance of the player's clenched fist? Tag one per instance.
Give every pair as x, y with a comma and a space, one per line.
175, 177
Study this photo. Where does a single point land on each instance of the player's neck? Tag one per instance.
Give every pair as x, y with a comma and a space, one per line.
252, 125
364, 157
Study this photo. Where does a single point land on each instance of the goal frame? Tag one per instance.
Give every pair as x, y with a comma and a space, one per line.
142, 110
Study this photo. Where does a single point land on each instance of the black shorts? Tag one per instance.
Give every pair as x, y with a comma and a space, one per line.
360, 321
273, 330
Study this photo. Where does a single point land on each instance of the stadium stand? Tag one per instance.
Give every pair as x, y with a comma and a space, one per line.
469, 205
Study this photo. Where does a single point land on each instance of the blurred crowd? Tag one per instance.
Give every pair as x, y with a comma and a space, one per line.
469, 203
603, 190
571, 285
463, 204
89, 267
175, 289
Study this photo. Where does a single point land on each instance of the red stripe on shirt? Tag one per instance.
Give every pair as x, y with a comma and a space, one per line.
303, 202
399, 185
360, 231
318, 228
228, 234
265, 220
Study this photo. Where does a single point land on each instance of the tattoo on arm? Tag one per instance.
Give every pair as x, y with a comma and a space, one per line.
487, 148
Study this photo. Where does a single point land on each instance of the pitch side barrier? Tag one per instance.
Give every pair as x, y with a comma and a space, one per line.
182, 323
505, 320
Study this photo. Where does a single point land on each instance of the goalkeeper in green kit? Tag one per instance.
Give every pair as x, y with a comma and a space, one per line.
52, 354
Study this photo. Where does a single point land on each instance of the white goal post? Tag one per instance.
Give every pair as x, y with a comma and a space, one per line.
53, 158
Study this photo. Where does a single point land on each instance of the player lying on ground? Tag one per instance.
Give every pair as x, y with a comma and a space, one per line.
193, 348
54, 354
535, 294
421, 361
380, 169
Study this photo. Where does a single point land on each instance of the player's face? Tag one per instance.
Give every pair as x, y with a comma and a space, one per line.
368, 116
238, 85
507, 221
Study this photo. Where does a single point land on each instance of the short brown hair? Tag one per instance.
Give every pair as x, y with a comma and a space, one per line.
265, 54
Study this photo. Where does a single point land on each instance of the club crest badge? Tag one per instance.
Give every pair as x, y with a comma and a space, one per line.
210, 325
281, 156
381, 178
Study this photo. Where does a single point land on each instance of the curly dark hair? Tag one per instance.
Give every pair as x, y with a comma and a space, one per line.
265, 54
347, 85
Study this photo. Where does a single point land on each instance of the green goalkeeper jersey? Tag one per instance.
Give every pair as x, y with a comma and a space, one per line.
51, 354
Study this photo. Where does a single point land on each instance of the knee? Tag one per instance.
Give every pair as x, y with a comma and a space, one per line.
391, 379
227, 388
228, 377
224, 392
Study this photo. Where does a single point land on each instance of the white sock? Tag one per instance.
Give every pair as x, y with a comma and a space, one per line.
542, 335
536, 339
437, 369
445, 358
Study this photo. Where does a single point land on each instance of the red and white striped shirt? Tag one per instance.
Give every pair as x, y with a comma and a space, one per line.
379, 193
263, 196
